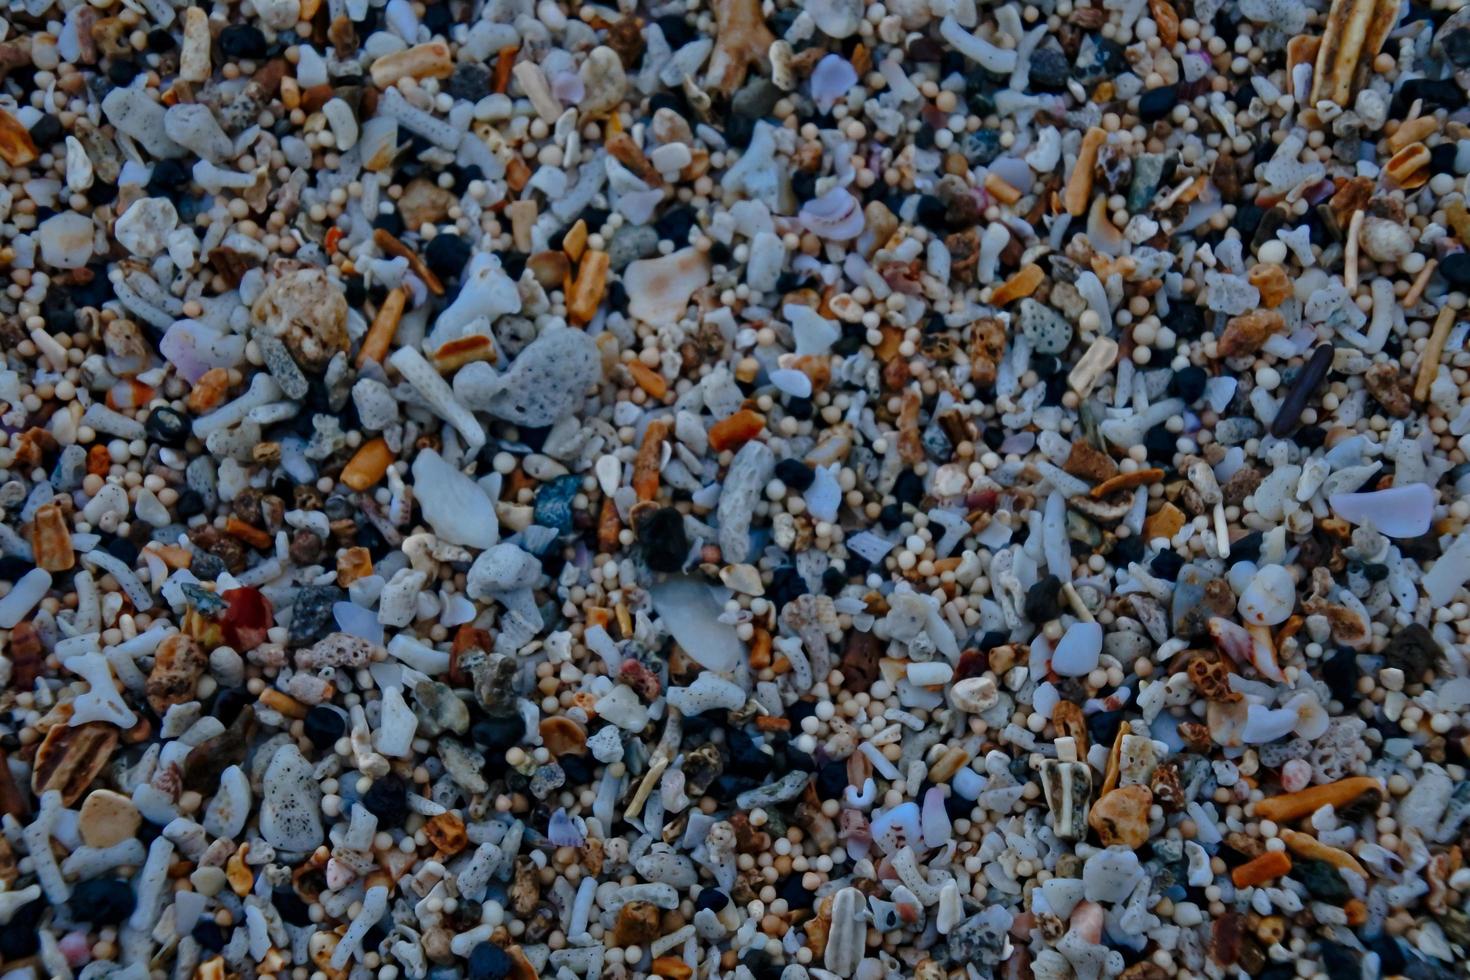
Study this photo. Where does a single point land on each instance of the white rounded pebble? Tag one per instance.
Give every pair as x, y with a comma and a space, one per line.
1269, 598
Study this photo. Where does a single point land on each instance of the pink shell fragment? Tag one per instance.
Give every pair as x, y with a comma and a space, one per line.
836, 216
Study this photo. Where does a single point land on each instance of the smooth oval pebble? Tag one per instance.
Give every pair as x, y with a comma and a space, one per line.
1078, 651
1398, 512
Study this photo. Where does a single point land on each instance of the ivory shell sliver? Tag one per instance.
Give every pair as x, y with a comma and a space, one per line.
847, 938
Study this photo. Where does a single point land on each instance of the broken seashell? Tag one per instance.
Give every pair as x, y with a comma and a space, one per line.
1354, 35
835, 216
659, 289
1067, 784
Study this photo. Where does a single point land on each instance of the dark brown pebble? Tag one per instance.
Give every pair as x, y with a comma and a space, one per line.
1310, 378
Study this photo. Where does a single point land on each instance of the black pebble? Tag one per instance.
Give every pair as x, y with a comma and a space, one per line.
389, 221
675, 224
712, 899
1456, 268
166, 426
1247, 548
1129, 549
19, 940
207, 933
499, 733
190, 504
663, 540
1340, 673
388, 801
833, 581
747, 758
121, 71
1189, 383
489, 962
1338, 961
852, 339
1186, 320
890, 517
514, 263
1166, 564
1434, 92
908, 488
355, 289
1391, 959
932, 214
324, 726
1248, 216
228, 703
242, 41
123, 550
160, 40
800, 711
102, 901
46, 131
1056, 389
447, 255
795, 893
795, 474
293, 910
1442, 158
438, 18
469, 81
676, 30
993, 638
1160, 443
832, 780
727, 786
168, 179
786, 586
1049, 69
1157, 103
1102, 727
577, 768
102, 192
738, 131
1042, 600
1310, 436
311, 613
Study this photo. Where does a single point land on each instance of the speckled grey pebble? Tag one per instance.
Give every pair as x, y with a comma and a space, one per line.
1048, 332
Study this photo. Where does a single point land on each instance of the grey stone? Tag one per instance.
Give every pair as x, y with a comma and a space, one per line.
631, 243
756, 99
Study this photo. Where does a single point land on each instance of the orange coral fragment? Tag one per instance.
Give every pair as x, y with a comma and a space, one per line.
649, 459
1272, 864
368, 465
1290, 806
736, 430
